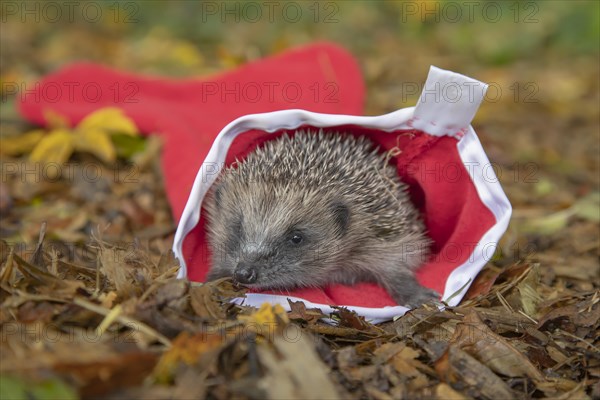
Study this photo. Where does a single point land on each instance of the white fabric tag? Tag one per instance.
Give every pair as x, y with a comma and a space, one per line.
448, 103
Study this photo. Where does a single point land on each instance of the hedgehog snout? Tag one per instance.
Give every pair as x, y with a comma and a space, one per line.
245, 272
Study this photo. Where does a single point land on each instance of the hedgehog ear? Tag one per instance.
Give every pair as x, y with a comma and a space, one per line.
341, 215
216, 193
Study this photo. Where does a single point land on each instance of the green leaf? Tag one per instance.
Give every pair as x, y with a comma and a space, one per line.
12, 388
127, 145
53, 389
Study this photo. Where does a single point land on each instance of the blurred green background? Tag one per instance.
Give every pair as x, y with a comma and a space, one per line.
184, 38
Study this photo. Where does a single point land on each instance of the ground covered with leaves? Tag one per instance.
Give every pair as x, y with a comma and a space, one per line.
90, 306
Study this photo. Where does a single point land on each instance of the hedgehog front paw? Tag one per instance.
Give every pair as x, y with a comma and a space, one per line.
407, 291
422, 296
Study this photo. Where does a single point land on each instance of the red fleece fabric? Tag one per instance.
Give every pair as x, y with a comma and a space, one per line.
190, 113
323, 78
440, 186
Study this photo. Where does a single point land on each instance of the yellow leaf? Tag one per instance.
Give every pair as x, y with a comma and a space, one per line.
110, 119
97, 142
266, 321
186, 54
55, 121
55, 147
188, 350
20, 144
267, 315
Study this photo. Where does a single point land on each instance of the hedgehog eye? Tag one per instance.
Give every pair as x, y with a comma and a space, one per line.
296, 238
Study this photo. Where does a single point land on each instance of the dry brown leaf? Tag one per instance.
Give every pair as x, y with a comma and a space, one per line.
554, 386
483, 283
326, 329
172, 294
386, 351
37, 312
458, 368
352, 320
491, 349
98, 377
112, 265
377, 394
136, 214
571, 312
207, 299
294, 370
445, 392
556, 355
203, 302
298, 311
406, 364
45, 282
527, 289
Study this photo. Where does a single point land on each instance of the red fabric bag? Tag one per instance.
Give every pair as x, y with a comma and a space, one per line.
320, 86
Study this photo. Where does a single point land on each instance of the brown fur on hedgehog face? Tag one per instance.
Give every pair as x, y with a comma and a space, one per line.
313, 209
277, 237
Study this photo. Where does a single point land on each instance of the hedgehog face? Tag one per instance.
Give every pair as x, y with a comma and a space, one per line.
282, 239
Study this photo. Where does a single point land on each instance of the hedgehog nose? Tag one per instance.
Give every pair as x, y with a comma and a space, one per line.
245, 273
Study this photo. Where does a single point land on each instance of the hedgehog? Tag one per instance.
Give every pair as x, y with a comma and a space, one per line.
309, 209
